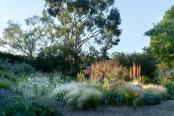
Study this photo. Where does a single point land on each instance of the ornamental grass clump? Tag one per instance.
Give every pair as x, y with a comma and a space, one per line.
34, 87
133, 95
79, 96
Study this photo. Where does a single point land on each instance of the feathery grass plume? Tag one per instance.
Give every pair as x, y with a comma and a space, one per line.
156, 88
90, 98
131, 73
65, 88
79, 95
136, 83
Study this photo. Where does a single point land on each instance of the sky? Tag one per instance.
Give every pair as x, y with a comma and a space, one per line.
137, 17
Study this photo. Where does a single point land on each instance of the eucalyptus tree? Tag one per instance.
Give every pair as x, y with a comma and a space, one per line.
36, 34
83, 20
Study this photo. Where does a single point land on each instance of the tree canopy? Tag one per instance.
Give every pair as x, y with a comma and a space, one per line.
37, 34
84, 20
162, 39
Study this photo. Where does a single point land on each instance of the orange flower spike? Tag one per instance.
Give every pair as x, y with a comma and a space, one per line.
131, 72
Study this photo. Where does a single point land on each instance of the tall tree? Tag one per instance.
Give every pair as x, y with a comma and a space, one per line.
83, 20
37, 33
162, 39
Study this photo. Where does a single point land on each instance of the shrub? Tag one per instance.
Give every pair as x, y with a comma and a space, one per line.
22, 110
4, 94
151, 98
34, 87
8, 76
110, 69
5, 84
5, 65
168, 83
23, 69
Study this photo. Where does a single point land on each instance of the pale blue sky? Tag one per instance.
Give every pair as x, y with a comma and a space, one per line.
137, 17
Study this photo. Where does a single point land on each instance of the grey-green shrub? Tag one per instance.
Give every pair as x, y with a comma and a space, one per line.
34, 87
23, 69
152, 98
5, 65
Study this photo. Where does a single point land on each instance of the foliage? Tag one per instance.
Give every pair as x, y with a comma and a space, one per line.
23, 69
4, 95
5, 84
83, 20
166, 80
162, 39
113, 92
21, 109
8, 75
80, 77
5, 65
151, 97
58, 57
36, 35
147, 62
34, 87
16, 58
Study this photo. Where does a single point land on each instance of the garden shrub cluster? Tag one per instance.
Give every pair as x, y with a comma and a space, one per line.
23, 69
129, 93
34, 87
56, 91
22, 110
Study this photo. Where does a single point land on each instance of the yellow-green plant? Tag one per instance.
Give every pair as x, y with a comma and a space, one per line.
5, 84
81, 77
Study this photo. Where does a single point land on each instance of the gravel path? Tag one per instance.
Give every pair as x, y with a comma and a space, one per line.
165, 108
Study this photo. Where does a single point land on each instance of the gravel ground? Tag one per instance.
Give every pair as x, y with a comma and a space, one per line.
165, 108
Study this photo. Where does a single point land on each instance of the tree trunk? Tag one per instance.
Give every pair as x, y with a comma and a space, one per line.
75, 38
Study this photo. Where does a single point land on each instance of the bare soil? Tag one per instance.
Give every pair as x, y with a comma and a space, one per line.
165, 108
